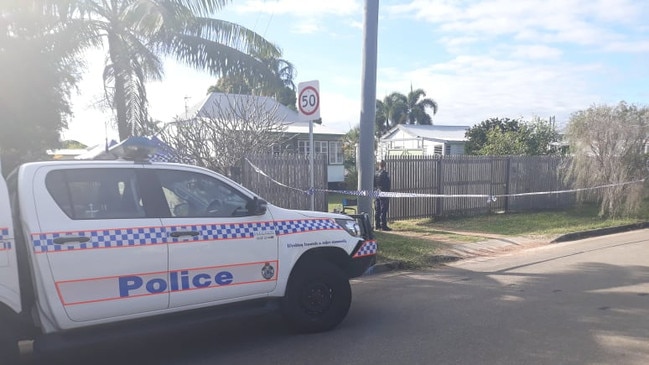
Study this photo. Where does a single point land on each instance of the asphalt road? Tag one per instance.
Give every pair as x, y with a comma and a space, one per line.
584, 302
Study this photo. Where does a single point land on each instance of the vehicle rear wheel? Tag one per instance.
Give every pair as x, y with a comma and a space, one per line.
318, 297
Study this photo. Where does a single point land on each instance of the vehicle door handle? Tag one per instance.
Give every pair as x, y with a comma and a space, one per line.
72, 239
177, 234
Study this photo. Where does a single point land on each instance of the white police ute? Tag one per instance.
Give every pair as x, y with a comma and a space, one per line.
90, 250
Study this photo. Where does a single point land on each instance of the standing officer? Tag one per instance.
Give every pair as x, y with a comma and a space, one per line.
381, 205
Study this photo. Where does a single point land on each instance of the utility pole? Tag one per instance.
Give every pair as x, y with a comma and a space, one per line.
365, 158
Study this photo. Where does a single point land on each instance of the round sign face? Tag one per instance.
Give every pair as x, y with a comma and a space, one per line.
308, 100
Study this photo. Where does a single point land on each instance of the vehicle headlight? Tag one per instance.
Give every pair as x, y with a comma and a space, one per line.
349, 225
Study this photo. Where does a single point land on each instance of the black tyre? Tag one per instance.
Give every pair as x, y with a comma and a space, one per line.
318, 297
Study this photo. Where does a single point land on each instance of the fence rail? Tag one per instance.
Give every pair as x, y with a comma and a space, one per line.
289, 169
446, 175
474, 175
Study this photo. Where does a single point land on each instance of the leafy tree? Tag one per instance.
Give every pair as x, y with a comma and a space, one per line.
513, 137
138, 33
538, 137
607, 144
477, 136
37, 72
350, 143
244, 126
417, 104
503, 143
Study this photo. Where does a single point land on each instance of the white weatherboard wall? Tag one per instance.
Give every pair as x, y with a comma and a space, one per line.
423, 140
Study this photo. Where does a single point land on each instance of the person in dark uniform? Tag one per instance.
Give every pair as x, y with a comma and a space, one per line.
381, 205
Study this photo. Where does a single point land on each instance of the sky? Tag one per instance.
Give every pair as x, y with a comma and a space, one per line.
477, 59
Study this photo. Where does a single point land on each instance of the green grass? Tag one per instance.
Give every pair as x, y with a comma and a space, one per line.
411, 252
335, 201
415, 241
579, 219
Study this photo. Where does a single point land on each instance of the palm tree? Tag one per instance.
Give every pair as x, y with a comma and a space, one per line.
417, 104
281, 85
138, 33
391, 111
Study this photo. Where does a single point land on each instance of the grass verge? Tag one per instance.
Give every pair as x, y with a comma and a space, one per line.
414, 242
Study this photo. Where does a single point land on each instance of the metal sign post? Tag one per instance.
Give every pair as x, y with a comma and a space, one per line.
308, 100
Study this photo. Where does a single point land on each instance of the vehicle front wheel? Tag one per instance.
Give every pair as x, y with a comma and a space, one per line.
318, 297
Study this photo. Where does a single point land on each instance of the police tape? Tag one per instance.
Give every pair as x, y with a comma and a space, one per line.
262, 173
489, 197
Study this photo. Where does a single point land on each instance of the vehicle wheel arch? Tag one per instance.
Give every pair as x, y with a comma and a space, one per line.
335, 255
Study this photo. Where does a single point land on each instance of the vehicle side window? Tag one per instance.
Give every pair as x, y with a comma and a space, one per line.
96, 193
191, 194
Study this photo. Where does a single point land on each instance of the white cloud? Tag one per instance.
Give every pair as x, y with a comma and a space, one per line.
306, 17
584, 22
479, 59
300, 8
471, 89
539, 52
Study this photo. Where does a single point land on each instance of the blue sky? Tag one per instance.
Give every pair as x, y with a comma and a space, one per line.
476, 59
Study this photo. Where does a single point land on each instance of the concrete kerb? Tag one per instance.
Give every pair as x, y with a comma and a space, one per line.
600, 232
452, 253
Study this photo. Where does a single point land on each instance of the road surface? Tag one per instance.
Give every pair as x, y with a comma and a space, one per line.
584, 302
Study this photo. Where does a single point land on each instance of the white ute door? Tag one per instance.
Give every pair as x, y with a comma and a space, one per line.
106, 258
9, 284
218, 251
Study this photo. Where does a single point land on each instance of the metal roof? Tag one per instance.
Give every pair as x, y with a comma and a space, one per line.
210, 105
449, 133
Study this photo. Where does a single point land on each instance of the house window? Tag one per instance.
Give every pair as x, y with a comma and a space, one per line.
336, 153
321, 147
437, 149
447, 149
303, 147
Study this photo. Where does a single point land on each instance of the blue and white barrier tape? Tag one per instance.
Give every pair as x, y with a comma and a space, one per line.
490, 198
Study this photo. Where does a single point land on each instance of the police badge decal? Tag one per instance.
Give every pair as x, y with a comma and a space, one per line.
268, 271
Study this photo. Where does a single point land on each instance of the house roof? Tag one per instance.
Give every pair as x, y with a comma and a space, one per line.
448, 133
213, 102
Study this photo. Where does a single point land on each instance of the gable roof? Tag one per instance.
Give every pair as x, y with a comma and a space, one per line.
213, 102
448, 133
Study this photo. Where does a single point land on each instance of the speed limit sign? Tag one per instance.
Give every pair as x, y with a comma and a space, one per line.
308, 100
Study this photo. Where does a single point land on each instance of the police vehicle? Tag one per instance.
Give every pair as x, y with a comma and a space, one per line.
91, 250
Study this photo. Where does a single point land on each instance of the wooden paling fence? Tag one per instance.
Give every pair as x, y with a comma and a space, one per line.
449, 175
291, 170
475, 175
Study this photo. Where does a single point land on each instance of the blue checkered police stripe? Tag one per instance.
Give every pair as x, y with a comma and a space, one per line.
305, 225
368, 248
4, 232
210, 232
107, 238
143, 236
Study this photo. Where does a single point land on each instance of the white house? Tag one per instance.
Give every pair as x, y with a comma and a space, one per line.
326, 140
423, 140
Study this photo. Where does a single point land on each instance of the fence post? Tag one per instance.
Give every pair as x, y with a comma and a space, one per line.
508, 166
439, 207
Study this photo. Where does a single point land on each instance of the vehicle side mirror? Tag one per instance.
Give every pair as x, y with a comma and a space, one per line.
256, 206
